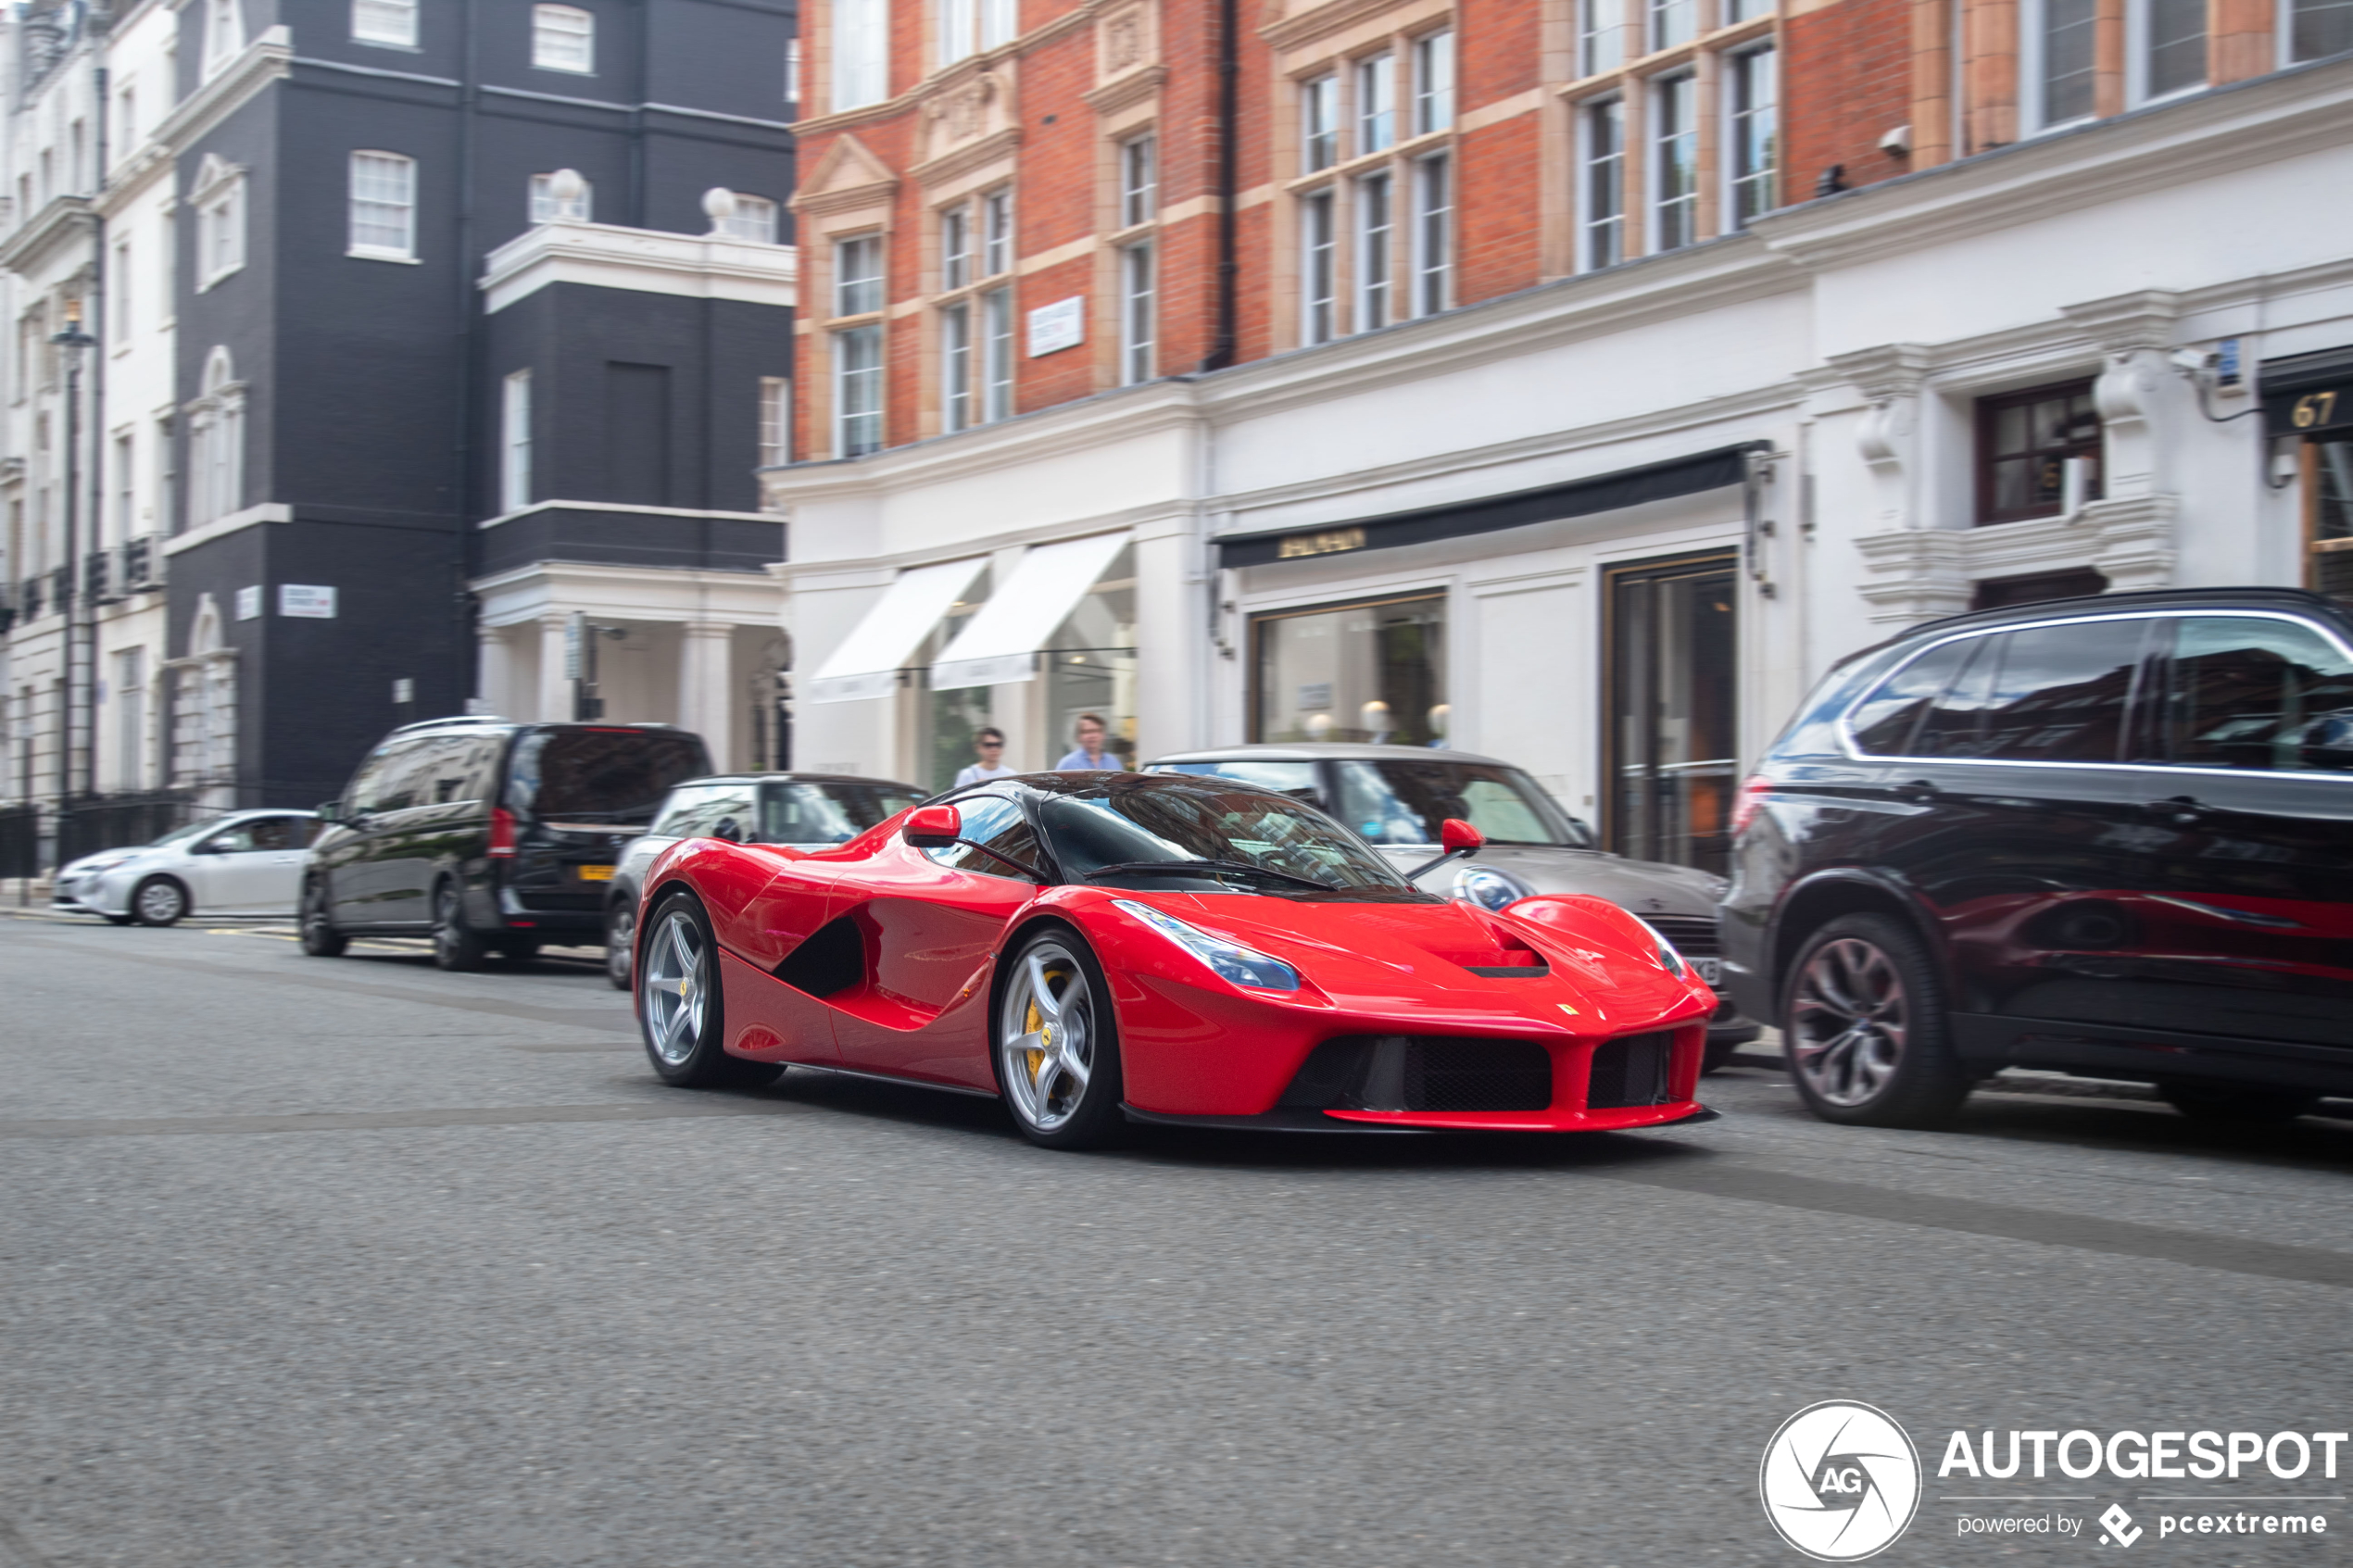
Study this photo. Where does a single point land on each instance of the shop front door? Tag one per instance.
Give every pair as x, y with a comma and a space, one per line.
1672, 698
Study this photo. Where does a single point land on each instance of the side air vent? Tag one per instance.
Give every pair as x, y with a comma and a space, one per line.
1631, 1071
1409, 1073
833, 959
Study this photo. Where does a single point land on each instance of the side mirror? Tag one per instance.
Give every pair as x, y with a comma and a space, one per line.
934, 827
1458, 837
331, 811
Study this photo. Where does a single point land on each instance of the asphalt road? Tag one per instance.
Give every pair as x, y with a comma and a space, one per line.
312, 1263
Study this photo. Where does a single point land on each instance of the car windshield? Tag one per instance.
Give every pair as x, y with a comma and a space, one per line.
1402, 802
800, 811
596, 775
1208, 837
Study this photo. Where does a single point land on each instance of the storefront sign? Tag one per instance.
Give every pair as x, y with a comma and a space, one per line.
1330, 542
2307, 395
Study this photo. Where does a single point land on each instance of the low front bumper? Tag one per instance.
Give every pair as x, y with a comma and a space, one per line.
1297, 1121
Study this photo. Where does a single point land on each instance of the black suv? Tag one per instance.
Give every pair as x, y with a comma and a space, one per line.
2111, 836
491, 836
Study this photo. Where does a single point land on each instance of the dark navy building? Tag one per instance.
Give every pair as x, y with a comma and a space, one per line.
483, 325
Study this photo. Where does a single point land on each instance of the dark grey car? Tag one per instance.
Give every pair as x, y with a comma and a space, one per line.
805, 810
1397, 796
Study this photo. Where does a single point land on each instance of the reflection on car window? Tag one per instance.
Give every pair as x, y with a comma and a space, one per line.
274, 833
1407, 802
682, 814
237, 840
803, 812
2041, 693
600, 775
181, 835
2249, 692
1294, 779
1883, 723
1139, 822
996, 821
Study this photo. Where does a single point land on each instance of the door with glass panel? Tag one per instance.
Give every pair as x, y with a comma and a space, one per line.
1673, 685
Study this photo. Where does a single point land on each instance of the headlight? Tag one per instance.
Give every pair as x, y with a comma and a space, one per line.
1229, 960
1669, 959
1489, 889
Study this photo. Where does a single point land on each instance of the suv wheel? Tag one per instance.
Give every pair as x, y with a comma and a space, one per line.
320, 937
620, 938
1865, 1026
455, 944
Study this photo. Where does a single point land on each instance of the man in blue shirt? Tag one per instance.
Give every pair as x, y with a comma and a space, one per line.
1090, 753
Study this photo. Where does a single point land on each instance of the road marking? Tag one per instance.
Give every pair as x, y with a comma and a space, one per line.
2122, 1238
368, 1120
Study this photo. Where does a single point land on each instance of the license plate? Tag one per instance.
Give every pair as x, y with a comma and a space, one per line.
1710, 970
604, 873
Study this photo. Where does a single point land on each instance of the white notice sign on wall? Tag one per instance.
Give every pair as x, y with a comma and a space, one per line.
1058, 326
249, 603
305, 601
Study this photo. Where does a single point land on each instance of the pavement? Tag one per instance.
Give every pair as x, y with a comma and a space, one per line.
319, 1262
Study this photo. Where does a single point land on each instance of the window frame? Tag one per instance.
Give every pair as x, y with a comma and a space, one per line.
1139, 311
1431, 60
756, 220
857, 73
1139, 167
546, 209
514, 441
2033, 64
1320, 116
220, 226
1319, 208
1680, 86
1734, 76
1375, 281
1431, 287
775, 431
368, 250
1984, 414
2139, 39
848, 439
554, 36
404, 37
1589, 113
1374, 105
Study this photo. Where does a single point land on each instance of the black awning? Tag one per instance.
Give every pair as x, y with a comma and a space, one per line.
2306, 393
1605, 493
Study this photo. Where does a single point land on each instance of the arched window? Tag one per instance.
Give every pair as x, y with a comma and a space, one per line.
216, 443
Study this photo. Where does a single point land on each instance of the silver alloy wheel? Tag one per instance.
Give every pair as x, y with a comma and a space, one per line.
1046, 1037
161, 902
1848, 1022
677, 987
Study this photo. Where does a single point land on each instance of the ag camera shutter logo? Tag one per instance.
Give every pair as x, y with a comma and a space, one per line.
1839, 1481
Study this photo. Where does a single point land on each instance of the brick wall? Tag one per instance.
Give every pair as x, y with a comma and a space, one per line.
1846, 81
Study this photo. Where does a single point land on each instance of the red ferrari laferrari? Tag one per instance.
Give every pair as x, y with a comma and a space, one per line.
1098, 948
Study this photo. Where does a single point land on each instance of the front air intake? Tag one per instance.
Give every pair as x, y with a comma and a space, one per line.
1632, 1071
1414, 1073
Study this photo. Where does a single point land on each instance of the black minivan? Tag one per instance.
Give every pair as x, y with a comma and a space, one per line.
2110, 836
490, 835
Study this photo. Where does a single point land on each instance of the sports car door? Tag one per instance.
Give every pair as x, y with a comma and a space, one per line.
928, 920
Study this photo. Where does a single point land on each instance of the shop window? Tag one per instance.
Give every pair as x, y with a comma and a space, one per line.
2328, 514
2038, 453
1373, 672
1670, 752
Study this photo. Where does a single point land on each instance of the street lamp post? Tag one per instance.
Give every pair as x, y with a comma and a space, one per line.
74, 593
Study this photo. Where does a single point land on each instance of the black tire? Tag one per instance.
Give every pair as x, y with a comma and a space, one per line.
320, 937
2244, 1104
685, 1031
1864, 1025
159, 900
621, 942
1028, 1079
456, 945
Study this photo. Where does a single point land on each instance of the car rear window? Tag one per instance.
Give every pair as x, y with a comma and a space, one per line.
594, 775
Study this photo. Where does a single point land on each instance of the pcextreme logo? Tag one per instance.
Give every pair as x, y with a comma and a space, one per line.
1841, 1481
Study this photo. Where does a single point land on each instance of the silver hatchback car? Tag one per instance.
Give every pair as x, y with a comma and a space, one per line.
1397, 796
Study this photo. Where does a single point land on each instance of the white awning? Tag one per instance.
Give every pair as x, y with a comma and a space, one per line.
868, 661
1000, 642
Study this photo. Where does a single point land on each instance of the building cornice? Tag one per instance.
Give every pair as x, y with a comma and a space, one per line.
670, 596
221, 527
607, 256
266, 59
64, 221
629, 510
2223, 131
